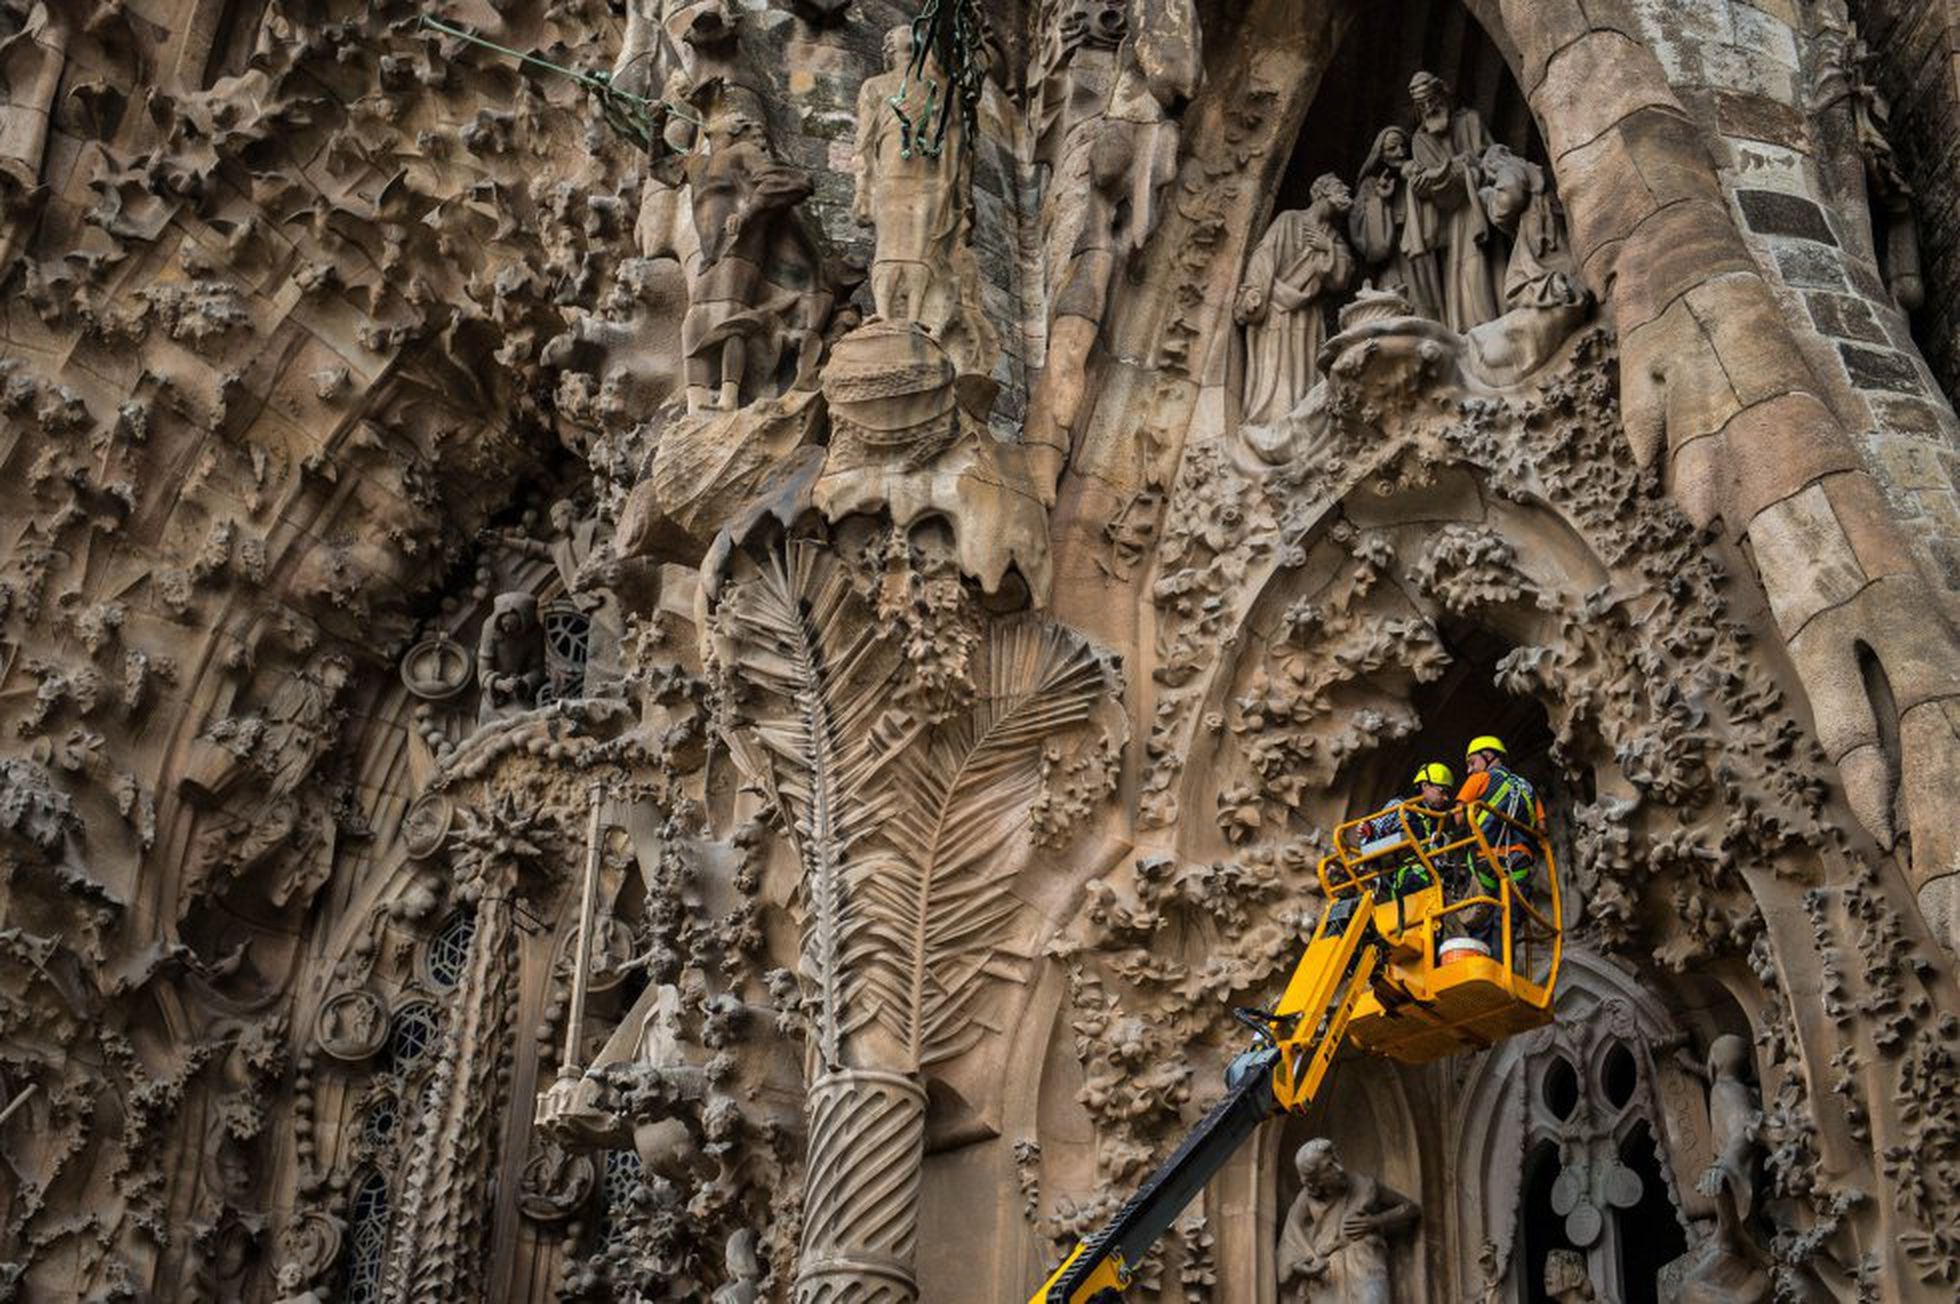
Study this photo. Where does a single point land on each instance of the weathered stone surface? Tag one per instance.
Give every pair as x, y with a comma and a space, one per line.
708, 697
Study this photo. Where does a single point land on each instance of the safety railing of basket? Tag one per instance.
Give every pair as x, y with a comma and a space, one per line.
1345, 871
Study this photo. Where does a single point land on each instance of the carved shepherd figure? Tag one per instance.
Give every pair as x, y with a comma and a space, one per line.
510, 657
1301, 263
922, 268
742, 200
1333, 1248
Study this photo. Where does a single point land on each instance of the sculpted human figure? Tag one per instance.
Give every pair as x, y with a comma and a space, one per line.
510, 661
1445, 216
744, 1284
1541, 273
1378, 226
1732, 1267
1301, 263
1333, 1248
911, 196
301, 722
1566, 1281
741, 197
292, 1287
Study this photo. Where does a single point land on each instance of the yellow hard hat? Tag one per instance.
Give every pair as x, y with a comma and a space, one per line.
1436, 772
1486, 743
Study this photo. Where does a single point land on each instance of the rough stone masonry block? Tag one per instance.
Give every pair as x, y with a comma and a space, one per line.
1846, 318
1881, 369
1805, 265
1770, 212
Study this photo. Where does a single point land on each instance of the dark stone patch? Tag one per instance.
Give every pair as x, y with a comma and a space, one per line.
1884, 370
1806, 265
1846, 318
1947, 553
1758, 117
1770, 212
1907, 415
1865, 279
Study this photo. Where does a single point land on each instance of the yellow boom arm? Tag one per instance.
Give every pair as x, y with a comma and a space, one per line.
1371, 970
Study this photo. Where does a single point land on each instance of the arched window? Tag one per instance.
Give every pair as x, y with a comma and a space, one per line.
567, 639
367, 1239
450, 951
416, 1028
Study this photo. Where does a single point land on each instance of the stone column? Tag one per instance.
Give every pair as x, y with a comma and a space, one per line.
861, 1189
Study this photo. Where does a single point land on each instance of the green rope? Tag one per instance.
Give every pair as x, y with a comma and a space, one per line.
953, 30
632, 116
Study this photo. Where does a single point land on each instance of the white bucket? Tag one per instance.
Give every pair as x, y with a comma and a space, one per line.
1462, 948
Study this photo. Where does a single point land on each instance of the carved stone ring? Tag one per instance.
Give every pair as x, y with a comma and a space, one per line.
436, 669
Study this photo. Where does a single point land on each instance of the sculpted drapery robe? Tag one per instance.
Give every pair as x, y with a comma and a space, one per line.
1282, 301
1447, 220
1354, 1271
1378, 225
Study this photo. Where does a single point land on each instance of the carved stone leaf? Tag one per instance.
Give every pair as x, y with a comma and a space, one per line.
939, 905
799, 634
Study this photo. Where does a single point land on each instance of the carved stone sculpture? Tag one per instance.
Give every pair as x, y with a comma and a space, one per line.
1302, 263
1379, 226
736, 330
913, 180
1447, 221
1333, 1247
510, 656
1732, 1265
1566, 1281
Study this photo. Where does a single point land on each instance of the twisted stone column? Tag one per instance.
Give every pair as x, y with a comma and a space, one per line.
861, 1189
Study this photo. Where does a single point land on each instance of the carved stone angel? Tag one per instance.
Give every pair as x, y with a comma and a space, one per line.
1302, 261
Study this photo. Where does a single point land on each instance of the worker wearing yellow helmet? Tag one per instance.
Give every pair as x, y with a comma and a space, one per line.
1492, 786
1425, 810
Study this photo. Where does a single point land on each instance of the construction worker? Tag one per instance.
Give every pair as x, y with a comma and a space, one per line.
1432, 786
1492, 786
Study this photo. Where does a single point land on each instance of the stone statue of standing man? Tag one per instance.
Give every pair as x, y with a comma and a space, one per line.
916, 200
1446, 218
1333, 1248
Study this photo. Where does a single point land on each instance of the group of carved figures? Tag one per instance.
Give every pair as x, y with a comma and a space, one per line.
1428, 218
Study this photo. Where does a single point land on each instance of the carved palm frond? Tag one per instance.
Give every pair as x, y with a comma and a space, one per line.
799, 634
938, 904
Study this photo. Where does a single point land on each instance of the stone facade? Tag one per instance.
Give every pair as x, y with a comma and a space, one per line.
626, 679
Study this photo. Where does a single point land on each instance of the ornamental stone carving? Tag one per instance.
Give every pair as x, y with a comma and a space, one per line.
692, 651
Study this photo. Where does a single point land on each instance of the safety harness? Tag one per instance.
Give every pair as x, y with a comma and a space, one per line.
1512, 796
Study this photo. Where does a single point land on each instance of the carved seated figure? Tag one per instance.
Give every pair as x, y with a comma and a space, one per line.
510, 658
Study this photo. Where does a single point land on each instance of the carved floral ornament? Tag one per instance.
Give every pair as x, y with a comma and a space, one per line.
976, 579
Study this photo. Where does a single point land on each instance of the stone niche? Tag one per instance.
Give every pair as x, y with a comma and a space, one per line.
700, 667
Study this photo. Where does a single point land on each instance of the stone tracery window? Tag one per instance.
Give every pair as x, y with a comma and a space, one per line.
567, 636
415, 1031
367, 1239
380, 1123
622, 1178
449, 951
